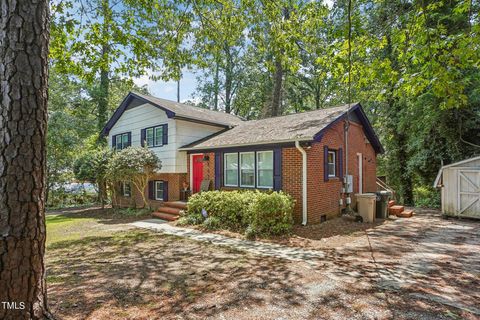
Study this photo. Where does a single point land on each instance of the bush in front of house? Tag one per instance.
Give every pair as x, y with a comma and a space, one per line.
251, 212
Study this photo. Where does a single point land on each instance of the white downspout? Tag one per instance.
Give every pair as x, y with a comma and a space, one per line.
304, 182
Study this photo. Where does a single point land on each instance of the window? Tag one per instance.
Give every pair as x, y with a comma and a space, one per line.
253, 169
247, 169
121, 141
158, 190
265, 169
154, 136
127, 189
332, 155
231, 169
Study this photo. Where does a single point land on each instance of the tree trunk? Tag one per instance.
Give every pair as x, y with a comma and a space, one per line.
103, 95
228, 79
277, 89
215, 84
24, 40
178, 90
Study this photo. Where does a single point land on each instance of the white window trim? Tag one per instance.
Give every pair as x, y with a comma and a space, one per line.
273, 169
123, 189
154, 130
157, 182
334, 164
240, 170
225, 169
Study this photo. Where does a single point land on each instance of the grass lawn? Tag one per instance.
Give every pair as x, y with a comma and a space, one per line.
99, 267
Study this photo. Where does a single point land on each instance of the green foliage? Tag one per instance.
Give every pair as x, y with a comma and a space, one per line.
212, 223
92, 165
132, 212
271, 213
426, 197
59, 199
131, 162
134, 164
252, 212
190, 219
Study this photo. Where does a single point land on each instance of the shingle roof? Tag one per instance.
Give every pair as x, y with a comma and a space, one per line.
299, 126
174, 110
192, 112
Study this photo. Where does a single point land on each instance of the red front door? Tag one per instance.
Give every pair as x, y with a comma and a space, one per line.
197, 172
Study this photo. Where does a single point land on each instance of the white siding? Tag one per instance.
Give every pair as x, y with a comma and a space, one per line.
188, 132
180, 133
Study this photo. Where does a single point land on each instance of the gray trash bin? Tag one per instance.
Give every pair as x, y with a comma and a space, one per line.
381, 211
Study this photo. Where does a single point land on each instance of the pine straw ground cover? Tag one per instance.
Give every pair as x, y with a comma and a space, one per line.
330, 234
98, 267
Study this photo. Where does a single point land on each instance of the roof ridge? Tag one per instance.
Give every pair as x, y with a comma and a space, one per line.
181, 104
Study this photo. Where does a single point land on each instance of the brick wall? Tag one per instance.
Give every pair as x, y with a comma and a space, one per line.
324, 196
175, 181
292, 178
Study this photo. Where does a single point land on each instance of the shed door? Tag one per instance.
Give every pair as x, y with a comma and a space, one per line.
469, 193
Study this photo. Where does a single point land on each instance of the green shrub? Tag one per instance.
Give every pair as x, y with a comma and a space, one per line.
271, 214
426, 197
212, 223
192, 219
252, 212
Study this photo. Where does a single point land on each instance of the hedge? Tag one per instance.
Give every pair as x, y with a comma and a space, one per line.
251, 212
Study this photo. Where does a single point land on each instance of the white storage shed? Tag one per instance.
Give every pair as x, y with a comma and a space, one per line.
460, 187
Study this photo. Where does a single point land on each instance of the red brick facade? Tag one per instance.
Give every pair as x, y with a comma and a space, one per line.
175, 181
323, 196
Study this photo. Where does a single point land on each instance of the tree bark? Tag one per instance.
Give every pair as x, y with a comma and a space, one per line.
228, 78
277, 89
24, 37
103, 95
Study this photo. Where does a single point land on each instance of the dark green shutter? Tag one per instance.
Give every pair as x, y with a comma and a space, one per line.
325, 163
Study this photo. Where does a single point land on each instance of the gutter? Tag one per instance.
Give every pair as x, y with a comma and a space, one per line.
304, 181
236, 145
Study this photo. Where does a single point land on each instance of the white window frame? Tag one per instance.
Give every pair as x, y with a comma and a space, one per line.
125, 183
120, 136
225, 169
334, 153
157, 182
257, 168
240, 169
156, 141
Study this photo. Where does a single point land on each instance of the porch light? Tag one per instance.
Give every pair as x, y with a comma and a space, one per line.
205, 158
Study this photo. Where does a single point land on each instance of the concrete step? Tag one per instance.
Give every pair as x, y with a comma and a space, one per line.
391, 203
169, 210
176, 204
165, 216
396, 210
405, 214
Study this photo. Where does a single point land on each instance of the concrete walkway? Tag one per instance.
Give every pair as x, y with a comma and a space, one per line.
261, 248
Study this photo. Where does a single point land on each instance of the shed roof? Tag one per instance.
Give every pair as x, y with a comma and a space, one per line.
439, 175
305, 126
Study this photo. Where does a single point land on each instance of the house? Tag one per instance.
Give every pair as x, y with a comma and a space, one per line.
460, 188
302, 154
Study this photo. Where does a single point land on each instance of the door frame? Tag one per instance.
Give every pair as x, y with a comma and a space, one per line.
360, 172
191, 169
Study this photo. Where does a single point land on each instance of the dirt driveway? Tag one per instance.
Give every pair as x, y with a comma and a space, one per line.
419, 268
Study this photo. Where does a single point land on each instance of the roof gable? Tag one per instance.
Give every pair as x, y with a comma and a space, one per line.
173, 110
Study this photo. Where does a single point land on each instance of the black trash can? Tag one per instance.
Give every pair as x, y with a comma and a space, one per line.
381, 211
